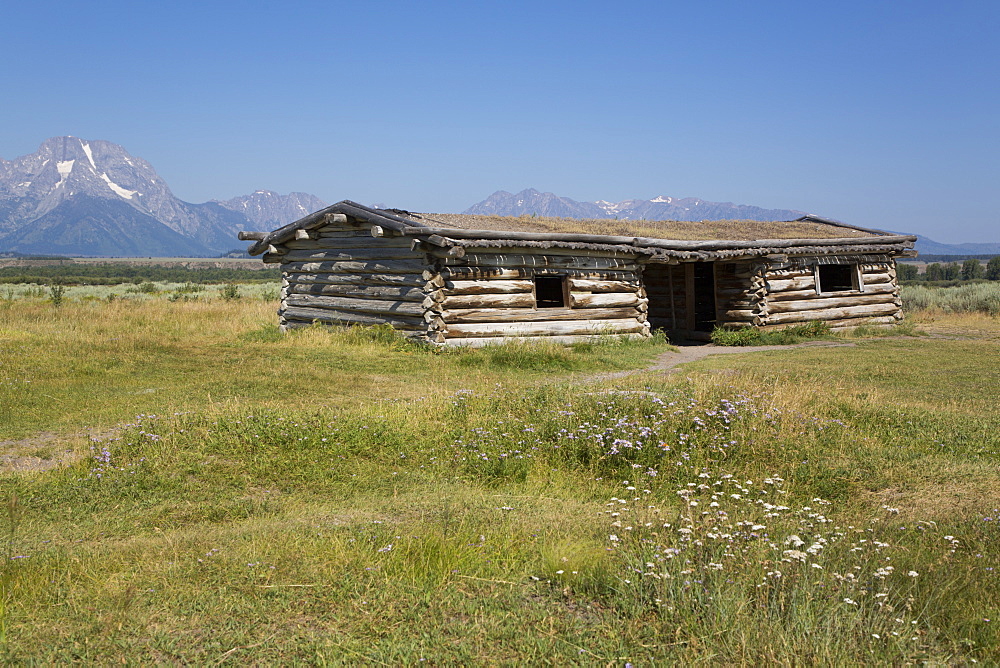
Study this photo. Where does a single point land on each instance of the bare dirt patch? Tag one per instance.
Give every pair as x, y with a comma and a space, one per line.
41, 452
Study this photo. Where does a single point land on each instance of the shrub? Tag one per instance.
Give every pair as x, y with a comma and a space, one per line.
230, 292
752, 336
969, 298
145, 288
744, 336
57, 294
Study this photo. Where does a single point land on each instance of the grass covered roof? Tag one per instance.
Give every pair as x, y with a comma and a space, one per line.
737, 230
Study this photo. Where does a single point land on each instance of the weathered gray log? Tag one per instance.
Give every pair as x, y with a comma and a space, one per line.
877, 289
819, 303
775, 286
592, 285
546, 328
729, 283
395, 307
433, 280
449, 253
517, 300
585, 300
533, 315
357, 279
876, 279
464, 273
738, 314
333, 219
790, 272
483, 287
438, 240
363, 244
523, 260
359, 254
251, 236
414, 266
730, 304
409, 294
866, 311
478, 342
345, 233
350, 318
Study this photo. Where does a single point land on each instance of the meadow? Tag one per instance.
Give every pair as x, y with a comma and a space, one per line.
182, 483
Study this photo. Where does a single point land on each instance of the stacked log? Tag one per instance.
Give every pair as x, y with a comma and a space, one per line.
486, 296
344, 271
665, 287
740, 294
338, 274
792, 298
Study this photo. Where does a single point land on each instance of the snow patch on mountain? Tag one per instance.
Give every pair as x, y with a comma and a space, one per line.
89, 154
127, 194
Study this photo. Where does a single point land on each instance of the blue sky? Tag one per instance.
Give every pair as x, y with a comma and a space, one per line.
883, 114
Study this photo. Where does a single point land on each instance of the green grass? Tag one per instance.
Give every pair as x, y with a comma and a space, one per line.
753, 336
351, 497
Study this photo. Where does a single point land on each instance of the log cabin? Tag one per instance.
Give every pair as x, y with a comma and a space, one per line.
471, 280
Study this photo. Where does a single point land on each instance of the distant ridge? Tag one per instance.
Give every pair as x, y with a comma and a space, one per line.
692, 209
532, 202
927, 246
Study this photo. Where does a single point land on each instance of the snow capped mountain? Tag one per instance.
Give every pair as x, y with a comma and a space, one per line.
661, 207
268, 209
77, 196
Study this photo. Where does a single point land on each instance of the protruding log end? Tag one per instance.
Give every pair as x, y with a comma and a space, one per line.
251, 236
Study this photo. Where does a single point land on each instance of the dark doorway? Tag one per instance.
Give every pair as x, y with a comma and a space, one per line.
704, 296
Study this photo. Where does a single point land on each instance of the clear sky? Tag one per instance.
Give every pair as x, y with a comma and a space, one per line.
883, 114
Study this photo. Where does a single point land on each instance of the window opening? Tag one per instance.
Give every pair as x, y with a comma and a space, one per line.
836, 277
549, 292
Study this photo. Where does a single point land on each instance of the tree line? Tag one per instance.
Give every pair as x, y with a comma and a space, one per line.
116, 274
969, 270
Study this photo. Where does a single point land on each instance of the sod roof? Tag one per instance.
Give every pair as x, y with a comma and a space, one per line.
736, 230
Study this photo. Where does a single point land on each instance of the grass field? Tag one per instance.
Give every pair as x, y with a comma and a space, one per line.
227, 493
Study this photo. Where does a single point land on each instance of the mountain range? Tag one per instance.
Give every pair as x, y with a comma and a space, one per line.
531, 202
92, 198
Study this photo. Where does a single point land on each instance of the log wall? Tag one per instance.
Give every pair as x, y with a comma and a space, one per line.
486, 295
739, 293
340, 275
667, 290
790, 298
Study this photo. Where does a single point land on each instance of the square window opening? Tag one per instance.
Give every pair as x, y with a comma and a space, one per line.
836, 278
550, 292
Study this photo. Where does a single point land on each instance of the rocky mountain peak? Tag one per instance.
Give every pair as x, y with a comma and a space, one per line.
80, 196
268, 209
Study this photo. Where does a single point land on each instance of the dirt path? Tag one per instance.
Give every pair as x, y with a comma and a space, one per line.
669, 361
